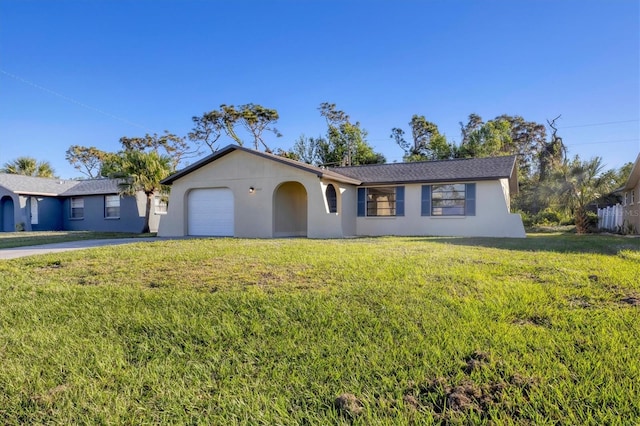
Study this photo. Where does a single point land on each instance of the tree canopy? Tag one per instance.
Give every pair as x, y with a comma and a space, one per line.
427, 142
140, 171
28, 166
254, 119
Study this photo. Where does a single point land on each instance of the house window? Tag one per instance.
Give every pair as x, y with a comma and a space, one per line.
448, 200
112, 206
380, 202
332, 198
633, 194
77, 208
34, 211
625, 199
456, 199
160, 204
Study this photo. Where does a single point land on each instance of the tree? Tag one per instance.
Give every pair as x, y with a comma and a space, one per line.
428, 143
306, 150
552, 154
175, 147
140, 171
255, 119
207, 129
579, 183
87, 160
345, 143
480, 139
527, 138
28, 166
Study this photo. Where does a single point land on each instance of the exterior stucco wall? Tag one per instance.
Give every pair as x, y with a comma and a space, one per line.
49, 214
254, 211
132, 210
492, 218
631, 211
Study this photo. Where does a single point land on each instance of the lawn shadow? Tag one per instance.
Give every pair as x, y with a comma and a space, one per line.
549, 242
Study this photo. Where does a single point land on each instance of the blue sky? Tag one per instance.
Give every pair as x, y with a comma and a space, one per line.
89, 72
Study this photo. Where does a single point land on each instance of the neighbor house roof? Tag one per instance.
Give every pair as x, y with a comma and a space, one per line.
29, 185
433, 171
320, 172
93, 187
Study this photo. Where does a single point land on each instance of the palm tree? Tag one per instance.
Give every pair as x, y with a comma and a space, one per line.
28, 166
141, 171
580, 183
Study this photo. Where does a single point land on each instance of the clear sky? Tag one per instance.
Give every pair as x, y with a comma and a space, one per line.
89, 72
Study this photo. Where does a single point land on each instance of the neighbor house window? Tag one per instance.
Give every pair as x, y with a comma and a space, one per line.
112, 206
160, 204
381, 201
77, 208
332, 198
454, 199
633, 194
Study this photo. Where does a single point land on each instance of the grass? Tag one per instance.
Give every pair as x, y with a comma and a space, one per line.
22, 239
364, 331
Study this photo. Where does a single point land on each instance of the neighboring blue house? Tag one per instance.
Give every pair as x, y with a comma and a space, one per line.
41, 204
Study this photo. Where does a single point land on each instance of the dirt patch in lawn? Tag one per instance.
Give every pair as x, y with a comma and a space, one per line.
348, 405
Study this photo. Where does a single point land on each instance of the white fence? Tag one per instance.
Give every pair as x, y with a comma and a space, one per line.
611, 218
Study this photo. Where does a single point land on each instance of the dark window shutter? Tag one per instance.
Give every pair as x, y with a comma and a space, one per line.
426, 200
470, 199
362, 201
400, 201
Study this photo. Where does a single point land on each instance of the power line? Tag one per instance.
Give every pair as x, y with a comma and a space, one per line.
599, 124
74, 101
616, 141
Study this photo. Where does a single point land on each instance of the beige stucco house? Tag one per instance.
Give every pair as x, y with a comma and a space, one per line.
631, 200
245, 193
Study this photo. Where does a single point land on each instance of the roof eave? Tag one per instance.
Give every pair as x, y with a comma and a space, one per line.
428, 181
230, 148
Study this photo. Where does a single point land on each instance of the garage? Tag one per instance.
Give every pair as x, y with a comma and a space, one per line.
210, 212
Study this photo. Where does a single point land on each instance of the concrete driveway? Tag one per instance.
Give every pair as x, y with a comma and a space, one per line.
13, 253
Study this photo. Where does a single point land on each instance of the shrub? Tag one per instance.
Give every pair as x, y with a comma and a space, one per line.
547, 217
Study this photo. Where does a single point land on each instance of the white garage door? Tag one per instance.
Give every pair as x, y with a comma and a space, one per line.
210, 212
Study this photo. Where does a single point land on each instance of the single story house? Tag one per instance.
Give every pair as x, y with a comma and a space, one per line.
630, 193
241, 192
42, 204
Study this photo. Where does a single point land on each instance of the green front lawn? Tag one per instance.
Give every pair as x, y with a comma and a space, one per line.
406, 330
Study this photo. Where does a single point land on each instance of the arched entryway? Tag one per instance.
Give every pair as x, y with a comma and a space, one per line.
290, 210
7, 221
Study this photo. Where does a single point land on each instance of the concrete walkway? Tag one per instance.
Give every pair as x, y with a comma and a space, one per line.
13, 253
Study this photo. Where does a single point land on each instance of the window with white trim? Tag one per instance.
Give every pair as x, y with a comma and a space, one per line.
382, 201
453, 199
332, 198
77, 208
160, 204
112, 206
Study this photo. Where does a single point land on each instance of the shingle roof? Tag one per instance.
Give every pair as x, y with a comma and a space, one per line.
94, 187
322, 173
426, 171
432, 171
21, 184
30, 185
